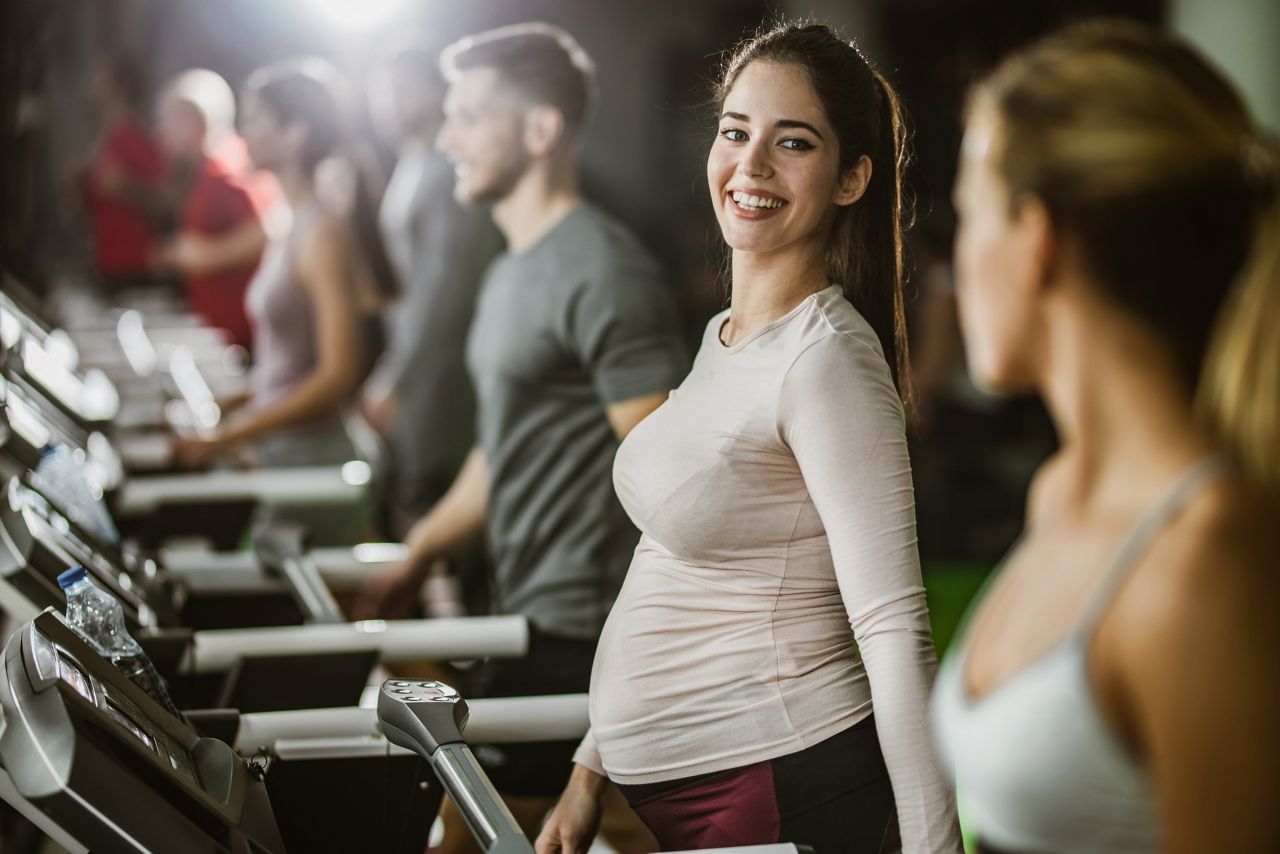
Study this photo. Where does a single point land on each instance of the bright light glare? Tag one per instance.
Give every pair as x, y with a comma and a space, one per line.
355, 14
379, 552
356, 473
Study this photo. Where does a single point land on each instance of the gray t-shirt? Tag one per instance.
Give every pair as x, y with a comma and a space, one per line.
579, 321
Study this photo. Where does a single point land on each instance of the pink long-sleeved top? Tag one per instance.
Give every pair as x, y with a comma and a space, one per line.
773, 494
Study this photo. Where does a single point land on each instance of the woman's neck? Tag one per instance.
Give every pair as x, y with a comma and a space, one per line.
1125, 418
768, 285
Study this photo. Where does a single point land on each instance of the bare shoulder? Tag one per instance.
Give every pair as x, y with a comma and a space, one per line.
322, 249
324, 230
1211, 577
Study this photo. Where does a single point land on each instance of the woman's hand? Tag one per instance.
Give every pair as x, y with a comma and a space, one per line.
573, 823
192, 452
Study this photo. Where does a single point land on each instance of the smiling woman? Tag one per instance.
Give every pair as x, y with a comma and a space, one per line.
774, 492
822, 119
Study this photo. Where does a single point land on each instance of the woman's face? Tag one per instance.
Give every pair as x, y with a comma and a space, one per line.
265, 137
773, 170
997, 278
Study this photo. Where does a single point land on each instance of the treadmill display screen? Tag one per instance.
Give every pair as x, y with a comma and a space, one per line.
129, 724
74, 676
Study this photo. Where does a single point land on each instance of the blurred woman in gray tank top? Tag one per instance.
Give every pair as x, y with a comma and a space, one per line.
316, 298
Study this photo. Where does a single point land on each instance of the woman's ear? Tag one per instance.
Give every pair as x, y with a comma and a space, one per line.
853, 183
1036, 240
543, 129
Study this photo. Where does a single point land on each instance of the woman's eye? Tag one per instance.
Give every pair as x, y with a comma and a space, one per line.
733, 134
794, 144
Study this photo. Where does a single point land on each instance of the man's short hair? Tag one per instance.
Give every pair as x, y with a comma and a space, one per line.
541, 62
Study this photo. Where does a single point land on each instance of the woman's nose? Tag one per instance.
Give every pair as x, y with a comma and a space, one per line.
754, 162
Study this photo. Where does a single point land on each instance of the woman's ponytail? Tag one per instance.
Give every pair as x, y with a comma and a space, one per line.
1240, 389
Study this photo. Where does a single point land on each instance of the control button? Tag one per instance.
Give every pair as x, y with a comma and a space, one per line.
402, 690
400, 684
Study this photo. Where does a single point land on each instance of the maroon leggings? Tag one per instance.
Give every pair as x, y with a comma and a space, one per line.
833, 796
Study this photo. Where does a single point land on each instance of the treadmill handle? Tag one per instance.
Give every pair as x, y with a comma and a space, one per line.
482, 808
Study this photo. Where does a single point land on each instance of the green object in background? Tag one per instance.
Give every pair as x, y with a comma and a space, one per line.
950, 588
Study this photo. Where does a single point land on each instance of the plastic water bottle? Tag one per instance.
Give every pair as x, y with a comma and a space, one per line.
97, 617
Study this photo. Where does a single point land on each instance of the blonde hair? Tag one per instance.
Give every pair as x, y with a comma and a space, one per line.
1240, 390
1149, 159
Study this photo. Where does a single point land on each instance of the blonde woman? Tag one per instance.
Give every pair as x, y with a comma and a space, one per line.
1118, 689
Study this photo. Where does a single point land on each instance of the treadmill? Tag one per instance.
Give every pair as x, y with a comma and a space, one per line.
41, 367
221, 638
96, 764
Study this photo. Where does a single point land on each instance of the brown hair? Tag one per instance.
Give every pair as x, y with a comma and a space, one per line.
1149, 159
312, 93
865, 246
541, 62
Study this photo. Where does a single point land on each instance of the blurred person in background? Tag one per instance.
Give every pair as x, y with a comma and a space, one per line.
729, 702
220, 236
420, 397
575, 341
123, 177
315, 302
1118, 688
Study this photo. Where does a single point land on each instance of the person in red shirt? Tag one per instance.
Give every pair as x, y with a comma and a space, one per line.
220, 236
121, 178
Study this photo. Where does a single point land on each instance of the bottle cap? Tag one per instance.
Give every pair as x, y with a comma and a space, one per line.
70, 576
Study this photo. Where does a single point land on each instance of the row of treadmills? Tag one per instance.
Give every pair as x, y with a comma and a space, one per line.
294, 739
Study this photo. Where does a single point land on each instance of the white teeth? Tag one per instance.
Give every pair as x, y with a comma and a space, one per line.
748, 201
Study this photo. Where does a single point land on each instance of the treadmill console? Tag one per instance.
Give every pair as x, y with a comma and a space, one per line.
109, 765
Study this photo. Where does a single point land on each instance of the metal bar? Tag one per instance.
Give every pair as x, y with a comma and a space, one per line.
312, 485
479, 803
395, 640
494, 720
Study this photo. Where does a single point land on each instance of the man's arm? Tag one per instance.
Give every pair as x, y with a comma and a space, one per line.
457, 519
626, 414
194, 254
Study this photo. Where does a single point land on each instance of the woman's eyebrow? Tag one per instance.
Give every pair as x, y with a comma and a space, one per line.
796, 123
782, 123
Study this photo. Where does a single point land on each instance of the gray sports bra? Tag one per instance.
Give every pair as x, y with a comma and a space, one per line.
1036, 767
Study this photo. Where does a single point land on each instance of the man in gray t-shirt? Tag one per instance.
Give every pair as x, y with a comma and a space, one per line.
574, 342
574, 324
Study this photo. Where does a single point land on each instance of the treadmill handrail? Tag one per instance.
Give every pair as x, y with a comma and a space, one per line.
339, 566
310, 484
284, 548
446, 639
493, 720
